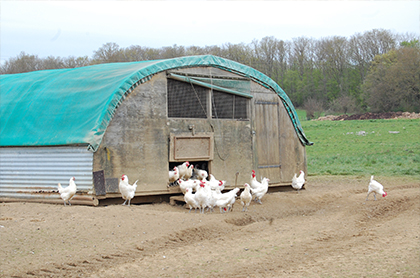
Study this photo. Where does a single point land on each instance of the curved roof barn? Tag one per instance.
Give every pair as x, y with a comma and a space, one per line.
75, 106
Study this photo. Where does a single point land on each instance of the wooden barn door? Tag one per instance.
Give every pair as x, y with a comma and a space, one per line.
267, 137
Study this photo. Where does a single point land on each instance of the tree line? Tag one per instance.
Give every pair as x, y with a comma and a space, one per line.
376, 71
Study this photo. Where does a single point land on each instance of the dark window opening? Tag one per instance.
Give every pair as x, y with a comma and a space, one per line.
186, 100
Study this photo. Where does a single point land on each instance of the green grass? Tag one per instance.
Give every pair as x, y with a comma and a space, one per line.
338, 150
301, 114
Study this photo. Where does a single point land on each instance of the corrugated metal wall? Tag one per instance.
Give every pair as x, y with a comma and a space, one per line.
33, 172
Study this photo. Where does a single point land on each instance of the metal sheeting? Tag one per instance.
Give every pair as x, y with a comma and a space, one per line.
34, 172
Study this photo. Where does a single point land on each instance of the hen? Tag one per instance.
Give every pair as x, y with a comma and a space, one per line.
127, 191
260, 190
245, 197
298, 182
226, 200
202, 196
189, 172
375, 187
200, 174
189, 199
183, 169
183, 185
173, 176
67, 193
216, 184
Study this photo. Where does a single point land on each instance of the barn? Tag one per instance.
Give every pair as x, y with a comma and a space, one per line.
99, 122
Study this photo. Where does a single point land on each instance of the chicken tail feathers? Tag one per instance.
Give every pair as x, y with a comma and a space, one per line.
59, 187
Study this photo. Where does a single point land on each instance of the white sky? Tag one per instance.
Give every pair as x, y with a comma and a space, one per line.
77, 28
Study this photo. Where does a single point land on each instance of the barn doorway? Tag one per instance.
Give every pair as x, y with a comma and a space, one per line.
202, 165
267, 137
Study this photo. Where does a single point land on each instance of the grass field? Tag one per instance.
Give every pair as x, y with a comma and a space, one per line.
339, 150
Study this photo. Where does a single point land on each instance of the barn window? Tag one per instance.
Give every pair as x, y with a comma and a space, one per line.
187, 99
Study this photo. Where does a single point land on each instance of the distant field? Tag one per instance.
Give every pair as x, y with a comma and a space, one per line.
339, 150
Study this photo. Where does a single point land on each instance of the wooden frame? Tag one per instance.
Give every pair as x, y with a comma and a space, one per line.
188, 147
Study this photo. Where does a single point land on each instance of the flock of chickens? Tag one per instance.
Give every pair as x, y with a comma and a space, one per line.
204, 192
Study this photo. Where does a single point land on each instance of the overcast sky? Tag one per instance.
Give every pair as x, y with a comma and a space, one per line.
77, 28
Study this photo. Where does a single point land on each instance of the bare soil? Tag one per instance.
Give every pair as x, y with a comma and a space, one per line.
371, 116
327, 230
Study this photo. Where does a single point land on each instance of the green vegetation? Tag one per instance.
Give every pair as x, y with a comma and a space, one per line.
339, 150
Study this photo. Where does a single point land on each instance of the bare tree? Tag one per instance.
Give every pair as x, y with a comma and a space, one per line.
108, 53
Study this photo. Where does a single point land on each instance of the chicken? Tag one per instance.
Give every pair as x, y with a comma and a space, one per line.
200, 174
173, 176
260, 190
127, 191
298, 182
216, 184
183, 185
67, 193
189, 172
183, 169
189, 199
202, 196
253, 183
226, 200
375, 187
245, 197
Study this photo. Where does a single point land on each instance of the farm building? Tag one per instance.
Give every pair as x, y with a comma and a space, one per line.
141, 119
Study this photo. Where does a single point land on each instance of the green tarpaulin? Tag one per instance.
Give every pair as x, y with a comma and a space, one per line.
75, 106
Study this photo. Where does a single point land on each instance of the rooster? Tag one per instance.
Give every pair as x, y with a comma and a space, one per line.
245, 197
375, 187
67, 193
127, 191
173, 176
254, 183
298, 182
260, 190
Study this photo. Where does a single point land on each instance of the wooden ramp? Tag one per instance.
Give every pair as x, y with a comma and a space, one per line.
177, 200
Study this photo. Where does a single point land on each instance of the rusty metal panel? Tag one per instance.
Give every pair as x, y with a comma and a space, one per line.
191, 147
99, 183
33, 172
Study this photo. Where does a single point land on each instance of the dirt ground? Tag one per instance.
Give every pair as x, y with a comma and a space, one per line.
327, 230
371, 116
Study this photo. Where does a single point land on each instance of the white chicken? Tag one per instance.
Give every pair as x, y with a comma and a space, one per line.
173, 176
189, 199
189, 172
127, 191
202, 196
260, 190
245, 197
67, 193
298, 182
183, 185
253, 183
216, 184
183, 169
226, 200
375, 187
200, 174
